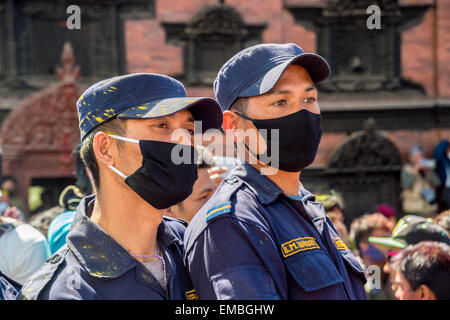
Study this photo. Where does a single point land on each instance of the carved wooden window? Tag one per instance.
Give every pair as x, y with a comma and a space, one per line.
361, 59
36, 32
212, 36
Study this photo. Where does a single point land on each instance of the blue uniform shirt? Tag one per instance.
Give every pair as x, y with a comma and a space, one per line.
92, 265
251, 241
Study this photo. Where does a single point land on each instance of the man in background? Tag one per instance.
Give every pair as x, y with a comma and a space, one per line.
203, 189
361, 229
422, 272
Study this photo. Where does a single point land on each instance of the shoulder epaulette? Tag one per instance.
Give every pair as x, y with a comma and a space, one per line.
218, 210
36, 283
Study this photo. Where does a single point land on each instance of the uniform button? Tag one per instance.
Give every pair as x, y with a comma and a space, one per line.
55, 259
232, 180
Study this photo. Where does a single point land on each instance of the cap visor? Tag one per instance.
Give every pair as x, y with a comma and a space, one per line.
316, 66
388, 242
206, 110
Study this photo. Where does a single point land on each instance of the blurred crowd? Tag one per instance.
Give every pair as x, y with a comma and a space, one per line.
406, 254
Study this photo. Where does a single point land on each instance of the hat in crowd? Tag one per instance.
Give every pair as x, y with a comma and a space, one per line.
411, 230
386, 210
331, 200
70, 198
142, 96
255, 70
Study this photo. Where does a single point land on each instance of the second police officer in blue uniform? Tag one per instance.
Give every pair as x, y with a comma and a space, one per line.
262, 235
120, 246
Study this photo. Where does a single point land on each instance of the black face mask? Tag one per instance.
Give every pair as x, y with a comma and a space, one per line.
160, 181
299, 138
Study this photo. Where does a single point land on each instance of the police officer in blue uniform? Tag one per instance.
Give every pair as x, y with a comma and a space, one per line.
120, 246
262, 235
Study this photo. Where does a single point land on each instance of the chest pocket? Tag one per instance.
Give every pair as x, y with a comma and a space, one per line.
313, 270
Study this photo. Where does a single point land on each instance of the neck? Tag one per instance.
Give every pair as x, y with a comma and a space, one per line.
128, 219
288, 182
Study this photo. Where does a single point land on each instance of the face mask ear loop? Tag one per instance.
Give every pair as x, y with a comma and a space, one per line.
123, 138
243, 116
118, 172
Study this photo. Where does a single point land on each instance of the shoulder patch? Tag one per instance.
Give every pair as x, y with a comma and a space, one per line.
218, 210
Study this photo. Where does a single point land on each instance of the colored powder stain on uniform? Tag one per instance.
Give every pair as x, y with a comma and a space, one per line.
143, 108
98, 119
113, 88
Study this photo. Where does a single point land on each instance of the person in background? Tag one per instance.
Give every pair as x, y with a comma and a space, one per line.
23, 249
418, 181
9, 189
422, 272
443, 219
203, 189
442, 156
389, 212
361, 229
410, 230
334, 206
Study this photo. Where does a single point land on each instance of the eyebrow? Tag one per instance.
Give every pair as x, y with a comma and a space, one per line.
280, 91
310, 88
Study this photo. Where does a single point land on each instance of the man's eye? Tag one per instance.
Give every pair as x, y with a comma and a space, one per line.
161, 125
281, 102
309, 100
191, 131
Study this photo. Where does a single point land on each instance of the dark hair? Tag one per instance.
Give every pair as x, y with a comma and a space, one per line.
115, 126
240, 104
428, 263
362, 227
82, 182
205, 158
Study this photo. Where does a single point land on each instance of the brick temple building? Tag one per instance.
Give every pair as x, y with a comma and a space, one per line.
389, 88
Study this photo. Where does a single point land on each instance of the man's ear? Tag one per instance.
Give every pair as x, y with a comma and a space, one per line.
102, 146
424, 293
230, 125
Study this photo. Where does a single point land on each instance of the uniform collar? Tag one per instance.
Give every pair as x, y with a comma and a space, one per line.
264, 188
97, 252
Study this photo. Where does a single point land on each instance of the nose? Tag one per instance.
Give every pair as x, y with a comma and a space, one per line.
181, 136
